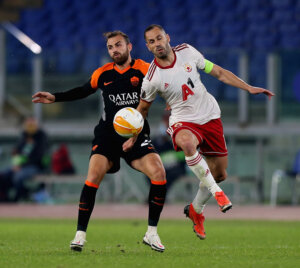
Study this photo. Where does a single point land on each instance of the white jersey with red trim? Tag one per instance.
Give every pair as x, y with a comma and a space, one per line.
180, 85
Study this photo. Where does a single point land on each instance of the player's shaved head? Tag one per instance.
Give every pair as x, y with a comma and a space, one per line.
112, 34
151, 27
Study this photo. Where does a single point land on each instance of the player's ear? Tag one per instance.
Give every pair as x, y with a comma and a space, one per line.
148, 46
168, 38
130, 47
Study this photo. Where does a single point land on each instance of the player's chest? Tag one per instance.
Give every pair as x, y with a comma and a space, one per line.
116, 83
183, 74
121, 89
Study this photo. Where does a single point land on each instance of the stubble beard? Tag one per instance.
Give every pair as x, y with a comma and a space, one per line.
121, 59
165, 54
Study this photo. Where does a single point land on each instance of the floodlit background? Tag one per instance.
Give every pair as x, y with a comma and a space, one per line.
259, 40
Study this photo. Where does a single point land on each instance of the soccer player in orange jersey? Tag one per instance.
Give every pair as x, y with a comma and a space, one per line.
120, 84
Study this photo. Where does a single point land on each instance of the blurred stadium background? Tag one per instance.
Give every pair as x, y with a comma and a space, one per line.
259, 40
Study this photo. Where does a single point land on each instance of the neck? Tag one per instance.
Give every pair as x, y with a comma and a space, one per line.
166, 61
125, 64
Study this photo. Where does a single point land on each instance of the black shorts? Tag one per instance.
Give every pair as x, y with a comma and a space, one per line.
108, 143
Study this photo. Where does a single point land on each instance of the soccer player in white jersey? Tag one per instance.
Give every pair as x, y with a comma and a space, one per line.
195, 122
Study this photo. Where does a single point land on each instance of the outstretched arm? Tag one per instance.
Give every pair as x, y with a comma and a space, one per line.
143, 108
231, 79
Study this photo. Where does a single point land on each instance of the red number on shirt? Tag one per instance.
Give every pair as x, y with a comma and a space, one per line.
186, 91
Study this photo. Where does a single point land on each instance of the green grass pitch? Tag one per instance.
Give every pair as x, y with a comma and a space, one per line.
118, 243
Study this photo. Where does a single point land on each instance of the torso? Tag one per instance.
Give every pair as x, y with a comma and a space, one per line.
119, 89
180, 85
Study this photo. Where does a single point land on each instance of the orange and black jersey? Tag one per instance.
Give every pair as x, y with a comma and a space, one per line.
119, 88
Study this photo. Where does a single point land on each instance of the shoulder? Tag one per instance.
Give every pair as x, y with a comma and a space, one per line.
151, 71
186, 49
181, 47
97, 73
106, 67
141, 65
188, 52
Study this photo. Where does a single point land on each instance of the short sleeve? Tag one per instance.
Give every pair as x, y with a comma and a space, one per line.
94, 78
148, 90
200, 60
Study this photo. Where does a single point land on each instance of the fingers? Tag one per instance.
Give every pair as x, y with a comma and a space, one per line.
38, 99
126, 148
269, 94
43, 97
127, 145
39, 94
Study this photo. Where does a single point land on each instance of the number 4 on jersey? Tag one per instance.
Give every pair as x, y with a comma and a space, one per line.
186, 90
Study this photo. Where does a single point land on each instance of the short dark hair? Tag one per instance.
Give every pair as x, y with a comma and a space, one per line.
152, 26
108, 35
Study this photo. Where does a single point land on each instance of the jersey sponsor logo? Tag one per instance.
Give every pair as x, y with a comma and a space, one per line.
166, 85
187, 67
124, 98
107, 83
134, 81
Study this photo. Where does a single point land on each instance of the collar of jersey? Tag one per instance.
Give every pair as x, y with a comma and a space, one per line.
126, 69
167, 67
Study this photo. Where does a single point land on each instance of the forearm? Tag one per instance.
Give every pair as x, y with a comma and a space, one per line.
143, 108
231, 79
74, 94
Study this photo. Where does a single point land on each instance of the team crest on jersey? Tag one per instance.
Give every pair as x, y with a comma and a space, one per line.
134, 81
166, 85
177, 125
187, 68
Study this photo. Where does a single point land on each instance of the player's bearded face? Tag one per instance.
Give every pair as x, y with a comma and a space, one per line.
162, 51
119, 57
158, 43
118, 49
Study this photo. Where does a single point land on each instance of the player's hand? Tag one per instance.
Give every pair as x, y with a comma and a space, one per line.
127, 145
168, 107
259, 90
43, 97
